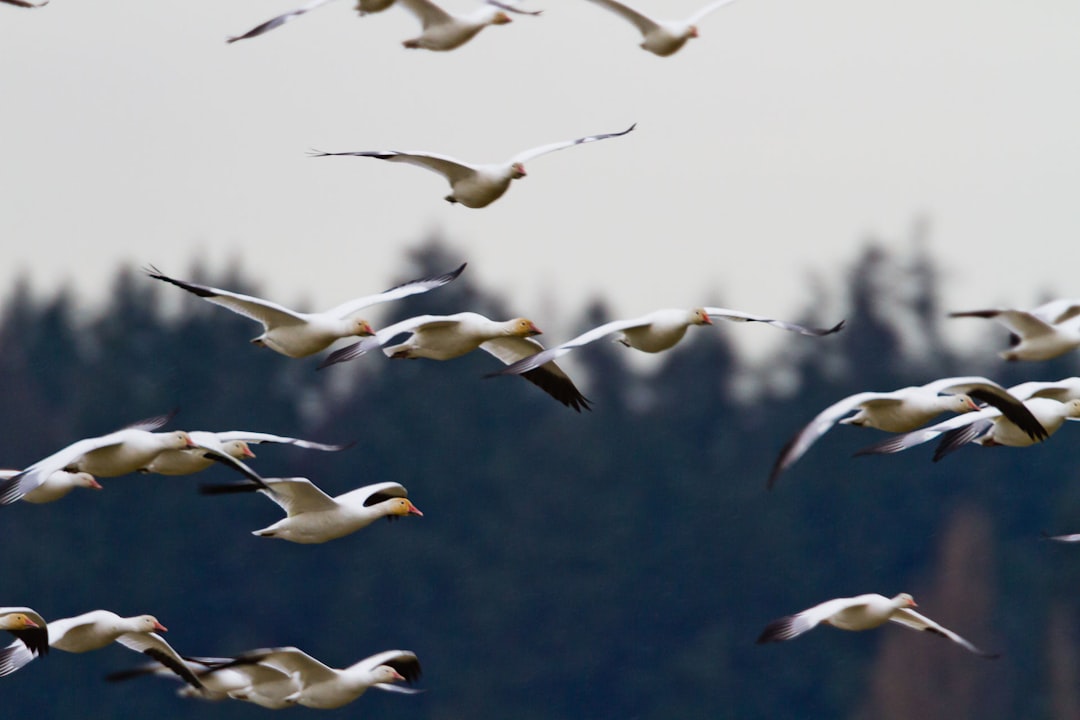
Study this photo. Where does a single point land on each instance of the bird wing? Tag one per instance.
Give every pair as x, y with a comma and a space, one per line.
152, 423
412, 287
1062, 390
450, 168
258, 438
13, 488
535, 360
914, 620
1018, 322
268, 313
275, 22
797, 446
904, 441
792, 626
1057, 311
36, 639
527, 155
512, 6
298, 495
15, 656
706, 10
427, 12
739, 316
381, 337
155, 646
404, 661
549, 377
289, 660
989, 392
641, 22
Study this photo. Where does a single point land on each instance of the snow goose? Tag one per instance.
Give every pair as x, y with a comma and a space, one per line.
297, 334
987, 427
327, 688
654, 333
474, 186
444, 337
98, 628
363, 7
445, 31
862, 612
660, 37
260, 684
31, 637
56, 486
906, 409
234, 443
312, 516
1050, 330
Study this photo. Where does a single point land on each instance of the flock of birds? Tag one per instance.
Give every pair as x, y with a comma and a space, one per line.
985, 413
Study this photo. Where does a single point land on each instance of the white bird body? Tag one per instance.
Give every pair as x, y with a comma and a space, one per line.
296, 334
905, 410
56, 486
655, 332
234, 443
444, 31
312, 516
661, 37
473, 185
444, 337
862, 612
255, 683
327, 688
1050, 330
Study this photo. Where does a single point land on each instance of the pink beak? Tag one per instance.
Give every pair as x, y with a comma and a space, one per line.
160, 628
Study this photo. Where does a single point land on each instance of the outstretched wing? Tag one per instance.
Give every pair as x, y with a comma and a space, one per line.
904, 441
535, 360
275, 22
914, 620
268, 313
549, 377
1018, 322
989, 392
739, 316
792, 626
644, 24
258, 438
412, 287
527, 155
453, 170
155, 646
707, 9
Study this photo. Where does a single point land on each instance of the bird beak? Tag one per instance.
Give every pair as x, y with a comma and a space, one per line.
191, 443
248, 453
365, 329
398, 676
31, 623
94, 484
413, 510
160, 628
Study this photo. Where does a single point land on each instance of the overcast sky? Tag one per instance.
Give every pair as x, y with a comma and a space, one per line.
770, 147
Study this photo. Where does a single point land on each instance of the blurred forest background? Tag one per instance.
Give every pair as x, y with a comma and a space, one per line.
612, 565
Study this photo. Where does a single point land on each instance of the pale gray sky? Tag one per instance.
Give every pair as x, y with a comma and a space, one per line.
769, 147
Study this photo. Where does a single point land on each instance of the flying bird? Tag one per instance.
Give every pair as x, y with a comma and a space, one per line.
444, 337
296, 334
327, 688
55, 486
252, 682
98, 628
363, 7
654, 333
210, 446
1044, 333
31, 636
443, 30
662, 37
862, 612
312, 516
906, 409
474, 186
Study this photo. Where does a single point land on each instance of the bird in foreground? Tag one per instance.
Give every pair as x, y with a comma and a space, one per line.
121, 452
26, 3
474, 186
655, 332
253, 682
327, 688
862, 612
98, 628
987, 427
312, 516
31, 633
296, 334
1044, 333
444, 337
905, 409
209, 446
443, 30
363, 7
56, 486
662, 37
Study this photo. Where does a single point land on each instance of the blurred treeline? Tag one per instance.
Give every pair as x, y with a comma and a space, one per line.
613, 565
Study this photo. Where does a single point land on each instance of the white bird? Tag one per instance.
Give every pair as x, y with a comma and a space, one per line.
31, 636
232, 442
445, 31
56, 486
363, 7
862, 612
260, 684
655, 332
662, 37
118, 453
1050, 330
986, 427
444, 337
474, 186
312, 516
327, 688
98, 628
906, 409
298, 334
